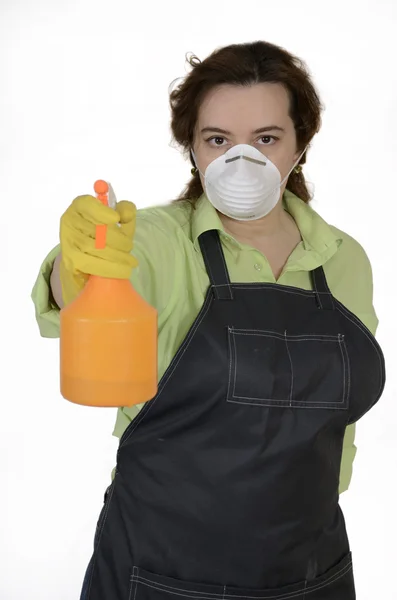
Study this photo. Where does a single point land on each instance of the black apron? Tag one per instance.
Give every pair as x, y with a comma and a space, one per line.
227, 481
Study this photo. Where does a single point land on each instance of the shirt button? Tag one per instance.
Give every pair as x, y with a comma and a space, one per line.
258, 267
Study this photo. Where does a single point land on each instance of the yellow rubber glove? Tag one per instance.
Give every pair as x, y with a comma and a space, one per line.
80, 258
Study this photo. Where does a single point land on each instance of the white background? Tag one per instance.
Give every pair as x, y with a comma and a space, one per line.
84, 95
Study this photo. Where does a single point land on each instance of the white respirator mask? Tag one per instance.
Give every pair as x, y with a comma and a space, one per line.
243, 183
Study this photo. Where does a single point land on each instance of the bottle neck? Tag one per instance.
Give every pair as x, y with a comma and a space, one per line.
107, 283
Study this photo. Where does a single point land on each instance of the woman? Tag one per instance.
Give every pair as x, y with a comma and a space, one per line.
227, 481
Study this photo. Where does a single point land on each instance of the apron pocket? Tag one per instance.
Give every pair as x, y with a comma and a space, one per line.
148, 586
267, 368
336, 584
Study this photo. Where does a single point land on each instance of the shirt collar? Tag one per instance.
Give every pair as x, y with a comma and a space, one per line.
319, 238
205, 218
317, 235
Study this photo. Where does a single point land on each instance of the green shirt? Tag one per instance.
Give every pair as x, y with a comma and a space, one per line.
171, 276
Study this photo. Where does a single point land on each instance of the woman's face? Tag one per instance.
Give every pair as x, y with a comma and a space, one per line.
257, 115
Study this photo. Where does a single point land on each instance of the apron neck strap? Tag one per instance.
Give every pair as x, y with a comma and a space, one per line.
324, 297
215, 264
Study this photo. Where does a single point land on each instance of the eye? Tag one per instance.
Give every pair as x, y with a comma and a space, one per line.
216, 139
268, 137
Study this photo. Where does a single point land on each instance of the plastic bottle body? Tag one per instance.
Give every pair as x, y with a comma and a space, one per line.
108, 346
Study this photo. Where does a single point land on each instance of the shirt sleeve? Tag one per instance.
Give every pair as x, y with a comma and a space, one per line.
46, 309
352, 285
152, 279
348, 456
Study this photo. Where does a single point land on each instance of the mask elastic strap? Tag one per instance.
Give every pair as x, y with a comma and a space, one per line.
293, 167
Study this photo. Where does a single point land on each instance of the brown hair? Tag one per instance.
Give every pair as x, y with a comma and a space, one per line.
245, 65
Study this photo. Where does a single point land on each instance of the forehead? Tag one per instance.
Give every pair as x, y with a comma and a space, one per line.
233, 107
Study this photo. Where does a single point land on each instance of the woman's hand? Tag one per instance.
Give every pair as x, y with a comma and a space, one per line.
80, 258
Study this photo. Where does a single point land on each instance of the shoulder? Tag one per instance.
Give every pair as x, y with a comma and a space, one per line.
159, 241
169, 218
350, 277
350, 250
162, 233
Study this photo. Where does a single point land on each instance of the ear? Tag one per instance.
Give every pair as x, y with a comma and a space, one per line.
296, 155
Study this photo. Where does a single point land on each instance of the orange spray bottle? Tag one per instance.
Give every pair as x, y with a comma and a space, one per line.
108, 340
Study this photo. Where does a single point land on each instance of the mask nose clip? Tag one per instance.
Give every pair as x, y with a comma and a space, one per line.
248, 158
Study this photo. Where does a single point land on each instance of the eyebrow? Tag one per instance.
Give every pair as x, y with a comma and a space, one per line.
260, 130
